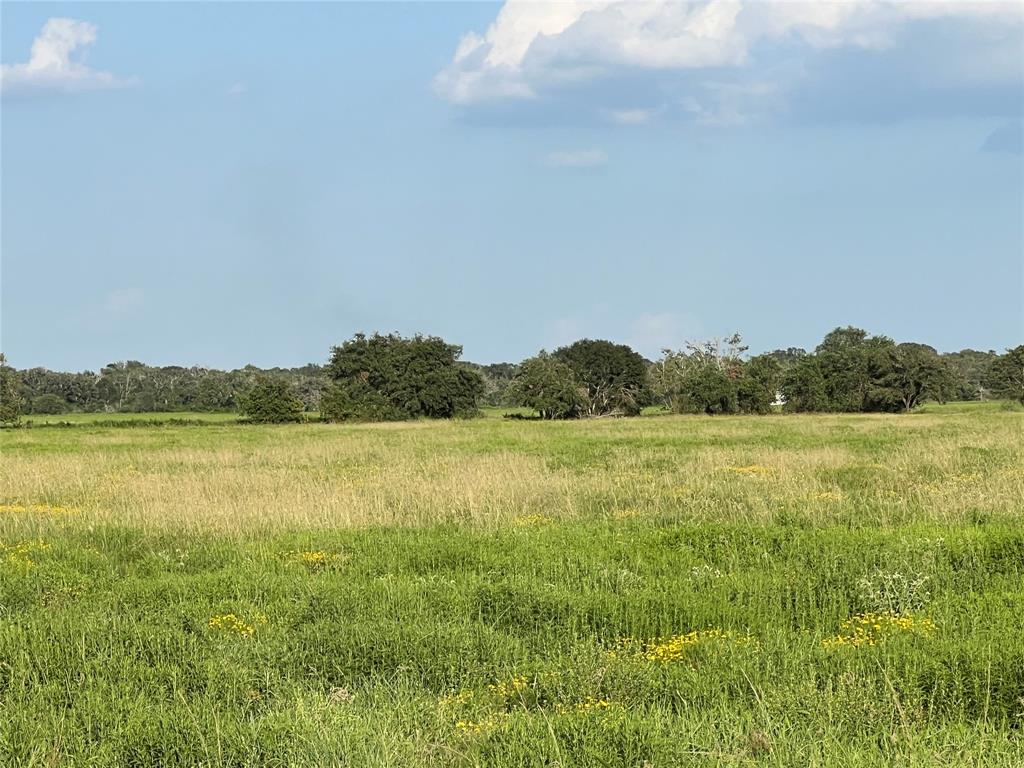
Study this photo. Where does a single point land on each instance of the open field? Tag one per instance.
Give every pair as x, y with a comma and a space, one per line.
663, 591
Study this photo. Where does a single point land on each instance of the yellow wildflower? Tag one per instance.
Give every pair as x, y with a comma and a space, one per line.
314, 558
676, 647
507, 690
235, 625
19, 554
481, 727
870, 629
455, 699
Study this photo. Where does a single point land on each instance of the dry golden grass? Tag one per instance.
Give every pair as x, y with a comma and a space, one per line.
936, 466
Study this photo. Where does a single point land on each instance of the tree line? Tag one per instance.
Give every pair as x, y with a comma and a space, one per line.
390, 378
131, 386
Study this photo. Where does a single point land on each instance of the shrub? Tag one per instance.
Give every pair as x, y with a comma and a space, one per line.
271, 401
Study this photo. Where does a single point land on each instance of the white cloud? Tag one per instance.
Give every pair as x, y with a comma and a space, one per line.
631, 116
56, 61
579, 158
237, 89
535, 46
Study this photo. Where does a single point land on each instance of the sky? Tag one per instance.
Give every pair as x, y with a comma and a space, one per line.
229, 183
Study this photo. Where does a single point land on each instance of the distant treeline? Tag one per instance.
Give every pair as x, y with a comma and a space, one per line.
388, 377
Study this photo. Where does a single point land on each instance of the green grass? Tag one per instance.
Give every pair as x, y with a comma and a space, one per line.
506, 611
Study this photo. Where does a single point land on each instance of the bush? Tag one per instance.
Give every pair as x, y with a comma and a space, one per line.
271, 401
389, 378
49, 404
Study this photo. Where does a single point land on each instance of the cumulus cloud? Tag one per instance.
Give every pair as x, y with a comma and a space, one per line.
56, 61
579, 158
536, 48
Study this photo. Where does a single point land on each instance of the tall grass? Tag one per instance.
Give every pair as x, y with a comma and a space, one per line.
655, 592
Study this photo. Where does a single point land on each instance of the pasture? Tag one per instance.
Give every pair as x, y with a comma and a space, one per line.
661, 591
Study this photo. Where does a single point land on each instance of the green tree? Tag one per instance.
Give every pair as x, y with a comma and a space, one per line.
787, 358
271, 400
356, 400
613, 376
915, 373
843, 359
389, 377
1006, 375
215, 392
759, 384
803, 387
854, 365
970, 376
548, 386
10, 394
48, 404
497, 378
705, 378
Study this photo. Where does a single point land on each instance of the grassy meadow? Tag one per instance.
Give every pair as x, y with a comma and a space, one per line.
662, 591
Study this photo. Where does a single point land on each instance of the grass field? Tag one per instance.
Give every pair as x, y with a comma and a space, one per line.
655, 592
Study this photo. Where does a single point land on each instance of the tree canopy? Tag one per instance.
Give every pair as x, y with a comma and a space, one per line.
1006, 375
712, 377
383, 378
612, 376
548, 386
388, 378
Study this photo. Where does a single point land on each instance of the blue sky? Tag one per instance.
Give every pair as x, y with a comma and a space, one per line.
220, 184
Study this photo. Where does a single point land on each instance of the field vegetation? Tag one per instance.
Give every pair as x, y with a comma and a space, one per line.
834, 590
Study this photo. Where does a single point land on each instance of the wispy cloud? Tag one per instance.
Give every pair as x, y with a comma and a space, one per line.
579, 158
56, 61
238, 89
631, 116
